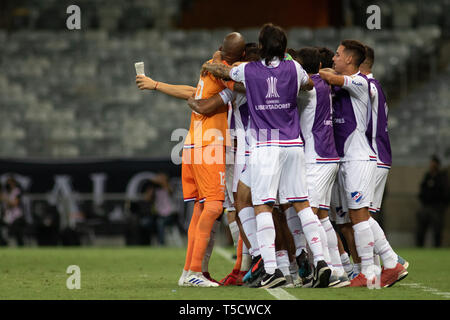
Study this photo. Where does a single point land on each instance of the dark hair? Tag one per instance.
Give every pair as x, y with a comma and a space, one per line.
370, 56
436, 159
326, 57
273, 42
292, 52
251, 52
309, 58
357, 50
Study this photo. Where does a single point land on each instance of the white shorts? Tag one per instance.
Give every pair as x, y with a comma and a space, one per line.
320, 178
277, 170
381, 175
229, 198
356, 179
338, 211
239, 168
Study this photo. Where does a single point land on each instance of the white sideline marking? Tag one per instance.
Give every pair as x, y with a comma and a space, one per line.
278, 293
281, 294
426, 289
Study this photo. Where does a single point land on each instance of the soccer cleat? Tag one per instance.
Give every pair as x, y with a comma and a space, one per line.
255, 269
182, 278
248, 274
390, 276
322, 274
307, 282
334, 280
254, 282
231, 278
239, 280
298, 282
197, 279
359, 281
353, 273
304, 268
343, 281
274, 280
289, 282
208, 276
403, 262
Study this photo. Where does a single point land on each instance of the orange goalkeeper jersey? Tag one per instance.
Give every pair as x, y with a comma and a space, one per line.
208, 130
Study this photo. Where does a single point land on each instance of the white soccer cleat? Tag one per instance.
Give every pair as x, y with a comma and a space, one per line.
343, 279
183, 278
196, 279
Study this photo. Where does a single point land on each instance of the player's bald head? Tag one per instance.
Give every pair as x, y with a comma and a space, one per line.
233, 47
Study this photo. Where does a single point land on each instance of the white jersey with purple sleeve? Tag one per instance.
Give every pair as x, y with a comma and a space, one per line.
377, 131
276, 145
316, 122
351, 116
273, 116
238, 126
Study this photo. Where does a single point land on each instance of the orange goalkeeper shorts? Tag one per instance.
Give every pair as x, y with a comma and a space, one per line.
203, 173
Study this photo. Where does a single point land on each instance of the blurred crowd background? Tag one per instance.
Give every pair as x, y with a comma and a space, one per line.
70, 96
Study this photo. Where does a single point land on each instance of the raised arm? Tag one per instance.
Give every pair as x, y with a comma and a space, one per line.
330, 76
174, 90
218, 70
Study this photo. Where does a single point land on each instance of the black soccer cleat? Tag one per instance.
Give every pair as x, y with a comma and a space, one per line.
272, 280
321, 275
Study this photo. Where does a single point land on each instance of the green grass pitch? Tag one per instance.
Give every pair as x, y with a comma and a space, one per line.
152, 273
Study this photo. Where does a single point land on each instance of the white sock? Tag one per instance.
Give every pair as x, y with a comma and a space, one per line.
248, 220
382, 246
209, 248
324, 241
357, 268
364, 246
246, 258
332, 245
312, 233
283, 262
345, 259
293, 267
295, 226
266, 239
376, 260
234, 230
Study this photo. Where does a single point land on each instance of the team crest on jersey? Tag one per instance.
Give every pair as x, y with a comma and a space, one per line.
272, 88
356, 196
340, 211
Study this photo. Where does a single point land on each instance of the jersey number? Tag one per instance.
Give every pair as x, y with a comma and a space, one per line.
199, 92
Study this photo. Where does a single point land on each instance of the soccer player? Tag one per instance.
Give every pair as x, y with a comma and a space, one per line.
377, 133
241, 190
351, 106
277, 156
322, 160
326, 57
338, 212
203, 164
